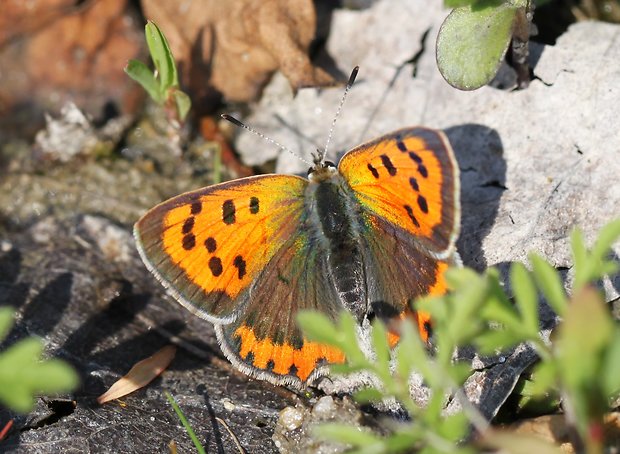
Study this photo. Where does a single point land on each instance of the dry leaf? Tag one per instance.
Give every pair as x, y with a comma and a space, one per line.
236, 46
141, 374
66, 53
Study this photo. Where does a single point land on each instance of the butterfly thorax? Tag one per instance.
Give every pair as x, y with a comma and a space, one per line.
333, 223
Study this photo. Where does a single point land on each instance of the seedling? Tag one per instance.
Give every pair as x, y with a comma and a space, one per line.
162, 84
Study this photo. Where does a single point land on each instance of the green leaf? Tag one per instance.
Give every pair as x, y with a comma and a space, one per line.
472, 43
139, 72
345, 434
494, 340
454, 427
401, 441
410, 354
381, 346
53, 376
581, 264
606, 238
185, 422
526, 297
458, 3
318, 327
611, 367
162, 56
549, 283
593, 265
583, 336
459, 372
464, 322
367, 395
544, 378
347, 328
182, 103
498, 308
23, 375
6, 321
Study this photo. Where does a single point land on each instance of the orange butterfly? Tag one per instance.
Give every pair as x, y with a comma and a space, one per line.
365, 237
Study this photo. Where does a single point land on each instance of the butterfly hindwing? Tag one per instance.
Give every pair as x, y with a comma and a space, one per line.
266, 342
410, 179
401, 272
208, 246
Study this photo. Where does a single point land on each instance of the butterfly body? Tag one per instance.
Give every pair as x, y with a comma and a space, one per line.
335, 228
365, 237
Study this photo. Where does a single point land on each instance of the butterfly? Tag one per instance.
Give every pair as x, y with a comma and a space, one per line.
366, 237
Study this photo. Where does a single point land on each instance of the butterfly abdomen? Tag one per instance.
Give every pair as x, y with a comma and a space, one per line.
333, 224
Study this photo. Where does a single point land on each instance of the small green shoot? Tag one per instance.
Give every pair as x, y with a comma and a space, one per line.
24, 374
163, 84
580, 365
474, 38
185, 422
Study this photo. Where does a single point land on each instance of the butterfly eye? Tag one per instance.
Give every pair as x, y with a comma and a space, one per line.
310, 170
329, 164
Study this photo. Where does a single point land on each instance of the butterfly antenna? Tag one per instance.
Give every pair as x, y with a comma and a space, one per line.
236, 122
344, 96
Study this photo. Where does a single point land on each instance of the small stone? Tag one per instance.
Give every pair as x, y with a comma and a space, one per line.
291, 418
228, 404
324, 408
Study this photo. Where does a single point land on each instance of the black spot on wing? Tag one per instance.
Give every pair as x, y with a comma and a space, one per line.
228, 212
211, 244
215, 265
254, 206
415, 158
374, 171
189, 241
387, 163
422, 204
240, 265
412, 216
196, 207
188, 225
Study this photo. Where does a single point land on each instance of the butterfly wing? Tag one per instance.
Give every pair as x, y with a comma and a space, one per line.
208, 246
409, 178
407, 184
266, 342
237, 254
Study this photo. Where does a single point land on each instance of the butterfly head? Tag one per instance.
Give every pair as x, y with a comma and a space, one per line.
321, 170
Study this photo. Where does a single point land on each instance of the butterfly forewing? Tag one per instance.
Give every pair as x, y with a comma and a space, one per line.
209, 245
410, 179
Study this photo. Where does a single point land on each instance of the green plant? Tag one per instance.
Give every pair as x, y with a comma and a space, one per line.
163, 84
24, 375
581, 363
188, 428
473, 40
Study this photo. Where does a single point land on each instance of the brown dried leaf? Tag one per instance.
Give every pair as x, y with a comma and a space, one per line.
140, 375
236, 46
68, 53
